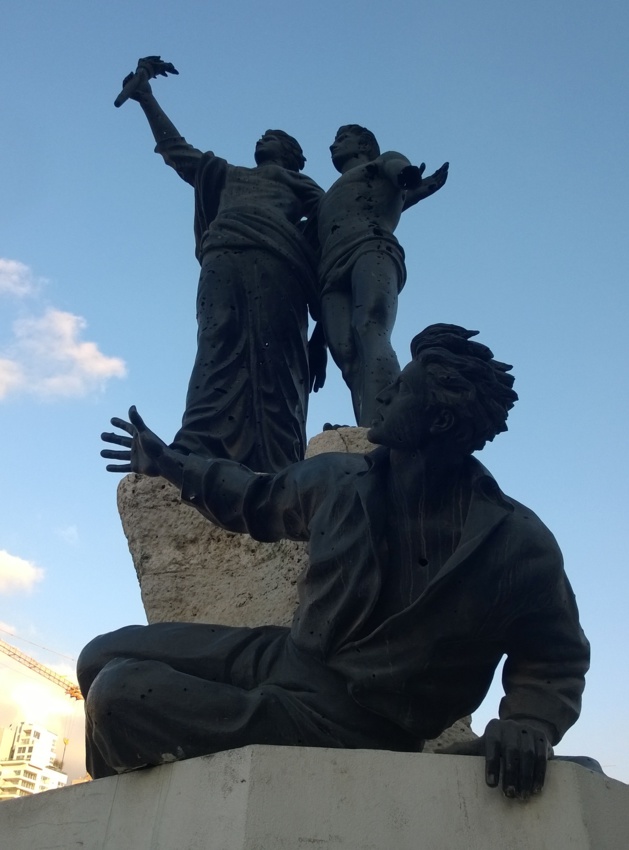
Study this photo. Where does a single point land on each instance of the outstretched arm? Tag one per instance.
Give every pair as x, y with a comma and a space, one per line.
177, 153
268, 507
400, 172
429, 185
136, 86
143, 451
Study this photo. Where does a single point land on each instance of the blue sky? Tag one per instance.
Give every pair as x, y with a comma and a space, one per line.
527, 243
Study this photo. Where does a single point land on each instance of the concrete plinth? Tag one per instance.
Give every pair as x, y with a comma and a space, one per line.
277, 798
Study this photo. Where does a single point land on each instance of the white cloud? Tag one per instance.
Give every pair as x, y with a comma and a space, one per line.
48, 359
69, 534
15, 278
16, 574
5, 627
11, 376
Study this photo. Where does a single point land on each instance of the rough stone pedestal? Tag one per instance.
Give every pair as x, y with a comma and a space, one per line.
190, 570
283, 798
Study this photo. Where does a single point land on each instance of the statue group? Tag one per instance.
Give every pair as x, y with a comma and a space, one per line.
274, 247
422, 574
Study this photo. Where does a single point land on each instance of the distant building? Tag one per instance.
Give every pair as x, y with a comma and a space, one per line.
27, 761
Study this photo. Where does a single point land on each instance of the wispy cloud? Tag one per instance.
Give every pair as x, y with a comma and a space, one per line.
11, 376
16, 574
55, 362
69, 534
16, 278
47, 355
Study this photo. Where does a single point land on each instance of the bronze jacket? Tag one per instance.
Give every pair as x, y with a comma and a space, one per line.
503, 592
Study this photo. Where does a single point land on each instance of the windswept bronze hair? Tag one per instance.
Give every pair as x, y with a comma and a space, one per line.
478, 388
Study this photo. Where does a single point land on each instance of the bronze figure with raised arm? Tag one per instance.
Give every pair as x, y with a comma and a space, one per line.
362, 269
248, 392
421, 575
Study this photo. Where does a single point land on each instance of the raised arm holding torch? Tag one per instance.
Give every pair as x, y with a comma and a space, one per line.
148, 68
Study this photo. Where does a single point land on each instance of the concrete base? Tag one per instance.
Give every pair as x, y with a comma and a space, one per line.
276, 798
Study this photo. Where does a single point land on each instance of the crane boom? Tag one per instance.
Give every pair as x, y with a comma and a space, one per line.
69, 687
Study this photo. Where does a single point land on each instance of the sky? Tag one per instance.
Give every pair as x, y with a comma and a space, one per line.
527, 243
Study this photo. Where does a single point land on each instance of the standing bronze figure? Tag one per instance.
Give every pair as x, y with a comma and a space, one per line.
248, 393
362, 264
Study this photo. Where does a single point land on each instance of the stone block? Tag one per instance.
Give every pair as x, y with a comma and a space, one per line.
283, 798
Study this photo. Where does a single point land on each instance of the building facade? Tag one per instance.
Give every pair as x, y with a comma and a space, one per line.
28, 761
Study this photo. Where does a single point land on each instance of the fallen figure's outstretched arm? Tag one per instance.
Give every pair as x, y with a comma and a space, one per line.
143, 451
268, 507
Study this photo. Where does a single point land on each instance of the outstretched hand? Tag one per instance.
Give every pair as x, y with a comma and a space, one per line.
517, 751
436, 180
142, 448
136, 85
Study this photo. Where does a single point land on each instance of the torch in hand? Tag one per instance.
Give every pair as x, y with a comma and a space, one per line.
148, 68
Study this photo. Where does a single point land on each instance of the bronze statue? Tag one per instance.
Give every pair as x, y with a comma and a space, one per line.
421, 575
362, 264
248, 392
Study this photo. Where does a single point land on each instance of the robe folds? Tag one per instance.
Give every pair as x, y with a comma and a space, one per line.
247, 397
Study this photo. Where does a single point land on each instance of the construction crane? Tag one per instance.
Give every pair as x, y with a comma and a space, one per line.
69, 687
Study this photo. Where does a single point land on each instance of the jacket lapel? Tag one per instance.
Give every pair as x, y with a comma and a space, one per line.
488, 509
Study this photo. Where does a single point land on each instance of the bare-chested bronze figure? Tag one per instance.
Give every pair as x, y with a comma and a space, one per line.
362, 264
